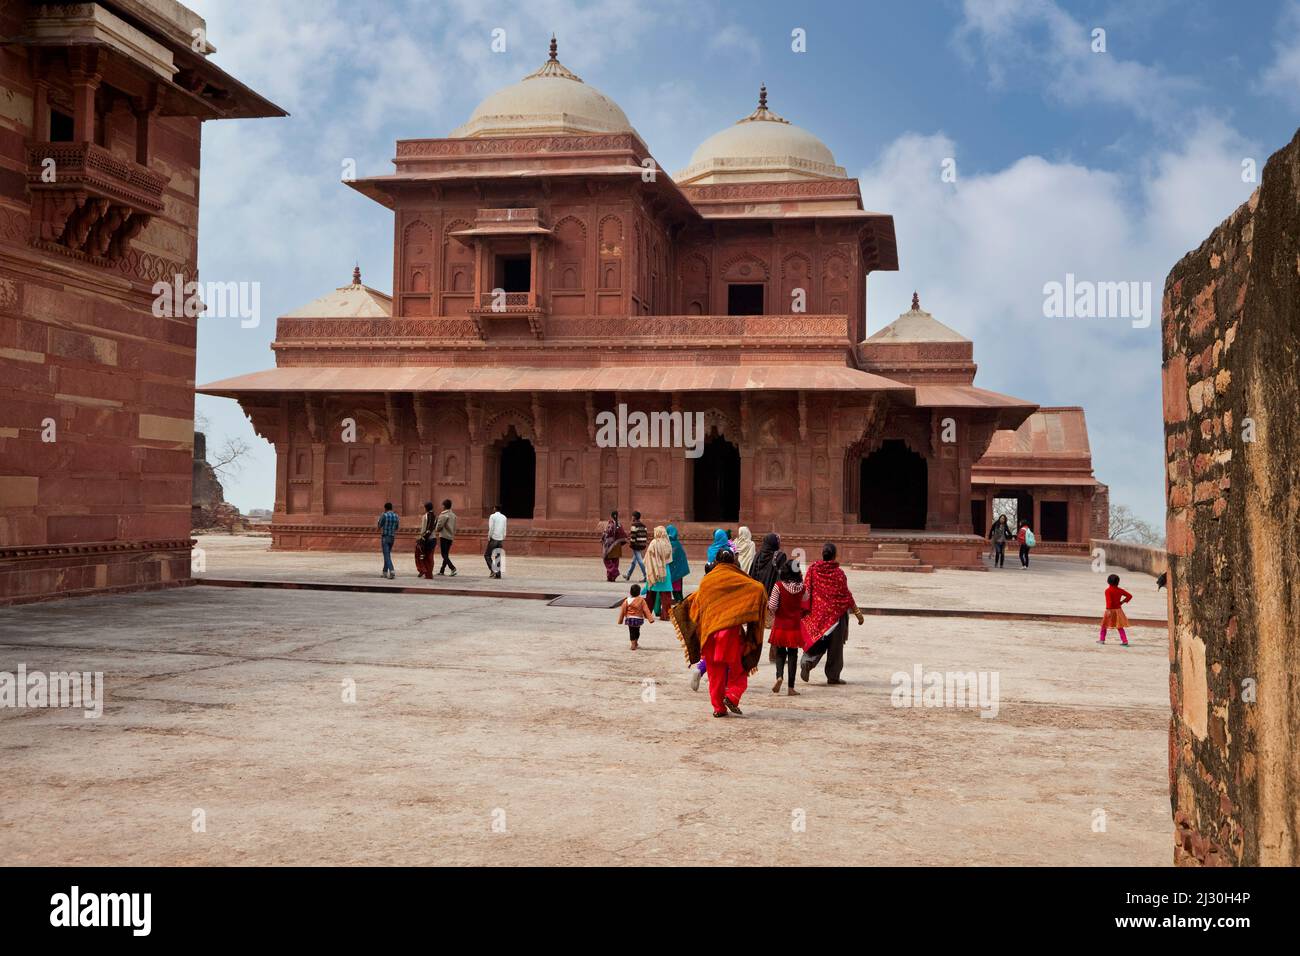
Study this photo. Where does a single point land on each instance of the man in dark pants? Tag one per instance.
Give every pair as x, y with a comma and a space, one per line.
826, 625
445, 529
832, 646
494, 553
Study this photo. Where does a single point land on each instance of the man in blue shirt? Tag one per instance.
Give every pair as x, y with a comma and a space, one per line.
387, 534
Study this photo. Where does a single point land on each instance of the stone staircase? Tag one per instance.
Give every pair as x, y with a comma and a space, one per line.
894, 556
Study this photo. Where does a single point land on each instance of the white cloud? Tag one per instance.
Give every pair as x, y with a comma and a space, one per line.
734, 38
980, 250
1039, 39
1281, 77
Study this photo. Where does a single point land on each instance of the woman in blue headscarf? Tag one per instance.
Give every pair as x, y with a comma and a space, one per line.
720, 543
679, 567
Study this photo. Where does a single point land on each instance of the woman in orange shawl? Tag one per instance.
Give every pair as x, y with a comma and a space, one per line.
721, 623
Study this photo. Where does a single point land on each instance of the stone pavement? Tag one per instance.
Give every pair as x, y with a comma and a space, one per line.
501, 731
1061, 585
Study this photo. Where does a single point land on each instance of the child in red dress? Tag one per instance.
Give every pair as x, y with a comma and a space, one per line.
1116, 598
788, 605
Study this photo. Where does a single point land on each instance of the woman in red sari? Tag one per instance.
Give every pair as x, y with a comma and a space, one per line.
826, 628
612, 540
721, 623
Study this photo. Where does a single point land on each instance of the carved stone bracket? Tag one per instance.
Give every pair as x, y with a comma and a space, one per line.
474, 417
539, 418
423, 417
315, 418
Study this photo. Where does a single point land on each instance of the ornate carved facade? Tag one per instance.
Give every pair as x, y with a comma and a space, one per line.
546, 271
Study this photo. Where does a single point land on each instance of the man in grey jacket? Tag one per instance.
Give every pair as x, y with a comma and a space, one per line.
444, 530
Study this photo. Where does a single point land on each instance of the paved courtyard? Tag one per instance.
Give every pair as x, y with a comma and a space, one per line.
494, 730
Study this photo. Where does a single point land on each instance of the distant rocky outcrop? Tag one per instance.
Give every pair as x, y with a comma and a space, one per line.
209, 509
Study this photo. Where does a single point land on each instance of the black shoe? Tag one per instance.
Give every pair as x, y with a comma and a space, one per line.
733, 707
837, 681
805, 670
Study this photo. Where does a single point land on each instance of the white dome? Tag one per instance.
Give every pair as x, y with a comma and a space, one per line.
551, 100
762, 147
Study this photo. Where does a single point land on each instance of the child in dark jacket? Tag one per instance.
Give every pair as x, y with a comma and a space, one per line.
1116, 598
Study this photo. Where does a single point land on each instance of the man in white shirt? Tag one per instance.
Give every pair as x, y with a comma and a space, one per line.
494, 554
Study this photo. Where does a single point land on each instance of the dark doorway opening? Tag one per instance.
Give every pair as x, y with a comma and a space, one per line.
514, 274
60, 127
893, 487
745, 299
716, 482
1055, 519
977, 517
517, 481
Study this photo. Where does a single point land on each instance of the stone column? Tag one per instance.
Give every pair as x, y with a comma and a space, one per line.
397, 480
542, 484
83, 106
677, 470
41, 112
318, 478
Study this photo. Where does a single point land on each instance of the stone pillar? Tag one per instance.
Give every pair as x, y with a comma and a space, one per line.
281, 477
624, 484
1232, 441
144, 125
41, 112
318, 478
677, 470
83, 106
397, 480
542, 486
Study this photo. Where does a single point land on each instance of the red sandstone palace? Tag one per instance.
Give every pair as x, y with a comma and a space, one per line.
101, 106
546, 270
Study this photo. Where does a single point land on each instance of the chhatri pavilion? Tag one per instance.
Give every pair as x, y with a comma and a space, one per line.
545, 270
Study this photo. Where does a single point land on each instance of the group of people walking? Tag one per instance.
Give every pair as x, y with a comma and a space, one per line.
439, 530
746, 592
1001, 533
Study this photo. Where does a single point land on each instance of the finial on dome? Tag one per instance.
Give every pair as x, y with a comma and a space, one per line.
762, 97
356, 274
553, 66
916, 302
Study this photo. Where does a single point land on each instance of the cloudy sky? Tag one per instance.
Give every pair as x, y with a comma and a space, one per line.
1106, 165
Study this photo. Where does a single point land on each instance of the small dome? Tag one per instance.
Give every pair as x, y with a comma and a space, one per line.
916, 325
762, 147
551, 100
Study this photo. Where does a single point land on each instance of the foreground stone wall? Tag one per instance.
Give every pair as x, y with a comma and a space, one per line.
1231, 327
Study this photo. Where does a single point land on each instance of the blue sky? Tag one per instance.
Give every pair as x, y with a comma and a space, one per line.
1108, 165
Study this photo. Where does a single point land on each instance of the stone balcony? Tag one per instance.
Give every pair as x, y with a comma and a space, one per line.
87, 201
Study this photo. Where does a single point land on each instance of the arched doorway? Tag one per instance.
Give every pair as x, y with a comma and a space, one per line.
716, 481
517, 478
892, 487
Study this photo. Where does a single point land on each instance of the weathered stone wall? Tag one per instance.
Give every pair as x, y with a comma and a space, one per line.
1231, 327
1135, 557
